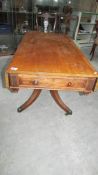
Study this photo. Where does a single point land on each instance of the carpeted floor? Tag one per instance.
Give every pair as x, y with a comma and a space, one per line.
42, 140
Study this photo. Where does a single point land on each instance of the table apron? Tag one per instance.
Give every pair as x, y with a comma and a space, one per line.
51, 83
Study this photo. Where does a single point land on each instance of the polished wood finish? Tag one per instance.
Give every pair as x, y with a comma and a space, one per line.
50, 55
59, 101
54, 94
32, 98
50, 61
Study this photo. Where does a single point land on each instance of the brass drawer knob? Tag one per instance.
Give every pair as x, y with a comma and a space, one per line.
35, 82
69, 84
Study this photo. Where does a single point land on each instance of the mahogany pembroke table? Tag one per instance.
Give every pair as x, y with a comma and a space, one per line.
49, 61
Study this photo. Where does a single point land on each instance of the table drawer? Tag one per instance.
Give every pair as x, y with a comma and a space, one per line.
53, 83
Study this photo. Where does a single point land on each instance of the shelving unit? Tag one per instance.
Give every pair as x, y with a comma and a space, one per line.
19, 16
6, 36
85, 31
15, 20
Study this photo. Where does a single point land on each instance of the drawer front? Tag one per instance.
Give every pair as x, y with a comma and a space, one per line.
53, 83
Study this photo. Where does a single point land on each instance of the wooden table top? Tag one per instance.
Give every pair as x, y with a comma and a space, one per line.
50, 54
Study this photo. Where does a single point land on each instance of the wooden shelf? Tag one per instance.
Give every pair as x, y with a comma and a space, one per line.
88, 32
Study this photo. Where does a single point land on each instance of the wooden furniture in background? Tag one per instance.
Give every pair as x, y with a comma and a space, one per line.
49, 19
85, 34
95, 44
52, 62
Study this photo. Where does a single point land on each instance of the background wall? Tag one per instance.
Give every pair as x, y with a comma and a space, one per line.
80, 5
84, 5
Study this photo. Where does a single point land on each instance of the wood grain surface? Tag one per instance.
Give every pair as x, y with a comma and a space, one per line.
50, 55
49, 61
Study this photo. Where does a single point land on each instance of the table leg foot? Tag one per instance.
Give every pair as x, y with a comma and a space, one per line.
32, 98
19, 109
68, 113
58, 100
